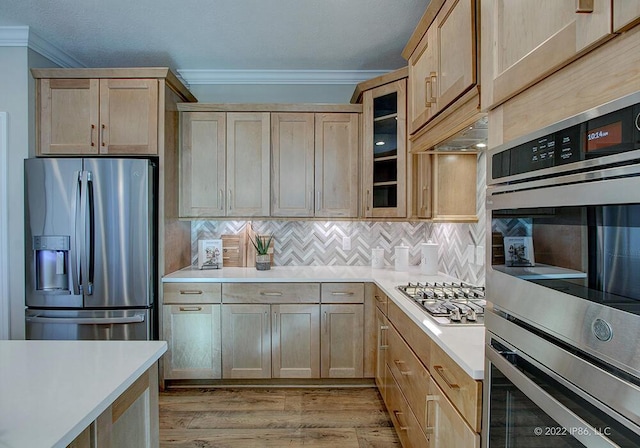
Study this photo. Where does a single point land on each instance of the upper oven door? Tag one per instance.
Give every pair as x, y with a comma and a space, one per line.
565, 258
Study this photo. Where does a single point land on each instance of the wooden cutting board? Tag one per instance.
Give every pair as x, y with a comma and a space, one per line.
233, 250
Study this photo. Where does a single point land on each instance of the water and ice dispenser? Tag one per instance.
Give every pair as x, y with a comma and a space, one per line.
52, 263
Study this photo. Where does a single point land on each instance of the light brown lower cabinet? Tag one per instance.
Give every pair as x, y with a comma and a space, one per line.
342, 341
405, 422
445, 426
132, 420
192, 332
270, 341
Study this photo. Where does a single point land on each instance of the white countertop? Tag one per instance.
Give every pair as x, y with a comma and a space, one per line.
465, 345
50, 391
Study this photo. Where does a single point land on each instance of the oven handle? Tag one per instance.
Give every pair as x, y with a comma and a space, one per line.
563, 416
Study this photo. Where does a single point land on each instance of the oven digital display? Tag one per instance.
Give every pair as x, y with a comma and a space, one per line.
604, 136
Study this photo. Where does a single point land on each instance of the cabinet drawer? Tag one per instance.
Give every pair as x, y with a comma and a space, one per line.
409, 373
381, 299
417, 339
403, 419
192, 292
342, 293
463, 391
271, 292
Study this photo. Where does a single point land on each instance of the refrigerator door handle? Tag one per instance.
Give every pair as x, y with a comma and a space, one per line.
73, 255
82, 234
135, 319
92, 233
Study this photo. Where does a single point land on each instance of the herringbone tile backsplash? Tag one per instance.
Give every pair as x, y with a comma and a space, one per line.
313, 243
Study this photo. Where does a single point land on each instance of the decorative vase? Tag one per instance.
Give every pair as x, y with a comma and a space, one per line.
263, 262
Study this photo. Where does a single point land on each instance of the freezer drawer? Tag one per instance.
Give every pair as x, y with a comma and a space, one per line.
89, 325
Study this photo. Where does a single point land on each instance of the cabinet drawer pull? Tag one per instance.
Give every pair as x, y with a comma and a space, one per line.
379, 299
584, 6
229, 204
367, 201
102, 129
271, 294
342, 293
440, 371
191, 292
318, 200
190, 308
400, 425
221, 199
93, 127
398, 364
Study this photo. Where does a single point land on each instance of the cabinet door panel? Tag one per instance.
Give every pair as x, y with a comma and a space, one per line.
202, 164
532, 39
342, 341
336, 165
292, 164
384, 150
246, 341
423, 69
455, 187
626, 13
456, 49
295, 341
445, 427
193, 335
68, 116
248, 164
129, 116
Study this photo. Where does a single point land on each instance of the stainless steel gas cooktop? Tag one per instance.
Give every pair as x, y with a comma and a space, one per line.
448, 303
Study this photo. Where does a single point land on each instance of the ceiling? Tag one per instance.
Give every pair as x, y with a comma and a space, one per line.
224, 34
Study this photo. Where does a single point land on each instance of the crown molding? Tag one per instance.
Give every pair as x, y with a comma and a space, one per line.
22, 36
194, 77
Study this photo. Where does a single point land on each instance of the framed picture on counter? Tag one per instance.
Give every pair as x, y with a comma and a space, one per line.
518, 251
209, 254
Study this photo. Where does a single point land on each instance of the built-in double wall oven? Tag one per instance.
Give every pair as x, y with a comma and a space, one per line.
563, 284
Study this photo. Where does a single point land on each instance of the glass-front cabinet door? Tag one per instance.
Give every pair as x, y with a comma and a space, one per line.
384, 158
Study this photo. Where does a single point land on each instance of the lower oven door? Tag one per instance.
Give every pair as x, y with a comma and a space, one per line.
89, 324
529, 404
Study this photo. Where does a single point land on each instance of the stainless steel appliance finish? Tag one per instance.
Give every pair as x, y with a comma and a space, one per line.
104, 210
561, 346
448, 303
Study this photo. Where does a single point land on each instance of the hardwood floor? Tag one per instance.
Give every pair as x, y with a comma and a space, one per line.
284, 417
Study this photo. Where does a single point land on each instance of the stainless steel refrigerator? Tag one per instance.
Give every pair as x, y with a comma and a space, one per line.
90, 248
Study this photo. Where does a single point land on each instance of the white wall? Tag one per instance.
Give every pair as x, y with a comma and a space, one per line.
14, 101
278, 93
17, 98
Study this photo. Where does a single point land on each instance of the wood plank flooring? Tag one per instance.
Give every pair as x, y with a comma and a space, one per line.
275, 417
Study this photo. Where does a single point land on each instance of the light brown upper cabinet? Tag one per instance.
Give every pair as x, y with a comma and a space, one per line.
80, 116
202, 164
248, 161
626, 14
442, 59
524, 41
336, 165
384, 145
292, 159
269, 160
224, 167
444, 186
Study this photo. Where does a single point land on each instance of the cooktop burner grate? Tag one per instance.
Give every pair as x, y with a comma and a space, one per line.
451, 303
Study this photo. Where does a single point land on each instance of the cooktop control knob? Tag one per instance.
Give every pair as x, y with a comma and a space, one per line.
471, 315
455, 315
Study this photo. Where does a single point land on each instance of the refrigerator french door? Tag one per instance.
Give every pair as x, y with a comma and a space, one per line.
90, 248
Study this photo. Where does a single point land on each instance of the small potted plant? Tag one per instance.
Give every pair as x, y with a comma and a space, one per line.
263, 259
